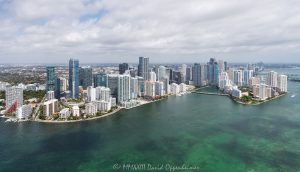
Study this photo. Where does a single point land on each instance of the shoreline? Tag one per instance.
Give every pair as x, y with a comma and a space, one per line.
259, 103
249, 104
88, 119
78, 120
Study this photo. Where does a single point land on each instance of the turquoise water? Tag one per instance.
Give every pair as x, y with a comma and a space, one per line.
210, 132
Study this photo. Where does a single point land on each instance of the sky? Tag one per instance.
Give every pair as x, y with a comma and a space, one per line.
114, 31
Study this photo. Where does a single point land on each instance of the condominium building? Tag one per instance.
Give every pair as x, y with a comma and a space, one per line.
272, 79
91, 93
149, 89
124, 88
24, 112
254, 81
159, 88
75, 111
174, 88
90, 109
64, 113
282, 83
50, 107
13, 98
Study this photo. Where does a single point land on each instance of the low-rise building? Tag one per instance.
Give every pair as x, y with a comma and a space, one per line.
75, 111
24, 112
64, 113
90, 109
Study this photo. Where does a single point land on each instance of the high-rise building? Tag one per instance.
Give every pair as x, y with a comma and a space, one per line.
91, 93
52, 82
226, 66
112, 83
124, 88
152, 76
203, 76
90, 109
221, 64
103, 93
161, 73
159, 88
238, 77
143, 68
134, 88
50, 95
13, 98
262, 91
150, 89
213, 71
174, 88
183, 72
85, 77
282, 83
188, 74
197, 74
50, 107
247, 75
74, 78
63, 84
254, 81
100, 79
272, 79
141, 86
177, 77
123, 67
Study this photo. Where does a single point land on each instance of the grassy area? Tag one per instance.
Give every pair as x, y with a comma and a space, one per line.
2, 94
75, 100
34, 94
15, 79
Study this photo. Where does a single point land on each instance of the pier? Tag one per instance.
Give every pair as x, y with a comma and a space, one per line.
215, 94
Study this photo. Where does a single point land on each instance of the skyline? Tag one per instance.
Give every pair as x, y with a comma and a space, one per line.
177, 31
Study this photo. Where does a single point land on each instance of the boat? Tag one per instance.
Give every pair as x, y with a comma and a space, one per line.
292, 96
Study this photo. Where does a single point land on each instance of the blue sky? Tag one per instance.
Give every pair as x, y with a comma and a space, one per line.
52, 31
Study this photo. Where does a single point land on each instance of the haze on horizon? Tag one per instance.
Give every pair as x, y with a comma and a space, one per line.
112, 31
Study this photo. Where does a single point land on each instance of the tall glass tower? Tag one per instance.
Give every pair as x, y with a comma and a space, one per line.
143, 68
52, 82
85, 77
74, 78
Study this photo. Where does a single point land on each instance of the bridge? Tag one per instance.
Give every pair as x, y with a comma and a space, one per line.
205, 93
294, 77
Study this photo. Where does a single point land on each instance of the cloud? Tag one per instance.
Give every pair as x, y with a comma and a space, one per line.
107, 30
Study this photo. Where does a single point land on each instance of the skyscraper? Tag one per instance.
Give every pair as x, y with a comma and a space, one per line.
74, 78
197, 74
188, 74
124, 88
112, 83
203, 76
52, 81
123, 67
100, 79
247, 75
282, 83
85, 77
213, 71
143, 68
161, 73
272, 79
13, 98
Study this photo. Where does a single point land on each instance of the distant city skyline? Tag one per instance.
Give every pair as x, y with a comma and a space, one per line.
109, 31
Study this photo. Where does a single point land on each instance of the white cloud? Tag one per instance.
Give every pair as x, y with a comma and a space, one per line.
109, 29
